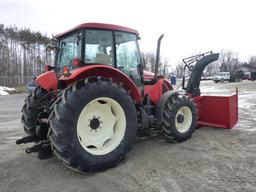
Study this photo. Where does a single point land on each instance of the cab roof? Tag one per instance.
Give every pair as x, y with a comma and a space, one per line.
99, 26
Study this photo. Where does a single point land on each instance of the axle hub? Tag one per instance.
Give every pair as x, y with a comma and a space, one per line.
180, 118
95, 123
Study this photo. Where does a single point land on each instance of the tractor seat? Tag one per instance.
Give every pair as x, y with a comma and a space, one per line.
103, 58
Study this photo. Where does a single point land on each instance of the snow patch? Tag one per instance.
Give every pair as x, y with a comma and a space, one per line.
4, 90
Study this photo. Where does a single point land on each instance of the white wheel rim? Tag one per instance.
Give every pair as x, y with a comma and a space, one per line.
101, 126
183, 126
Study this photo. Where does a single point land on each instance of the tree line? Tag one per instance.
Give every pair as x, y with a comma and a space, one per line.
22, 54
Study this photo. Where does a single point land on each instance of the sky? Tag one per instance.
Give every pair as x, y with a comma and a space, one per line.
190, 26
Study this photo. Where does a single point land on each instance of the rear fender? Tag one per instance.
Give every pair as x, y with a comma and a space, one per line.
48, 81
157, 90
107, 72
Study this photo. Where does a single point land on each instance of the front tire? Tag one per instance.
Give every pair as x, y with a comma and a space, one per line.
93, 125
179, 118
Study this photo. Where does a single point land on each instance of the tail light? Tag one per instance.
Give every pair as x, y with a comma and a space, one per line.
65, 70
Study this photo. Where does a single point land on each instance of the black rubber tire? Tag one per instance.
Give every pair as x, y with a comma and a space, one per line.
171, 107
31, 109
63, 125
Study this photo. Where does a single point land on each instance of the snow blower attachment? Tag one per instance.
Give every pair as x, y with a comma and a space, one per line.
217, 111
89, 108
214, 111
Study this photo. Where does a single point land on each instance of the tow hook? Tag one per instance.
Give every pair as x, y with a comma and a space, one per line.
27, 139
39, 147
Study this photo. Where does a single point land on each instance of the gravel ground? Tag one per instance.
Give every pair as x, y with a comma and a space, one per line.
212, 160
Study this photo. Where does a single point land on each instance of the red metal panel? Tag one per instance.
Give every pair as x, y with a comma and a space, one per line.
156, 91
217, 111
104, 71
48, 81
100, 26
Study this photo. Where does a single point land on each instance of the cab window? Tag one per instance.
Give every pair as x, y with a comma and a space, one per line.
128, 55
98, 47
127, 52
69, 49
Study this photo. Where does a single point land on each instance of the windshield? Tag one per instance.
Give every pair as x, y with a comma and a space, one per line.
69, 49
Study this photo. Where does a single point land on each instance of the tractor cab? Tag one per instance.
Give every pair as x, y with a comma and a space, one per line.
92, 44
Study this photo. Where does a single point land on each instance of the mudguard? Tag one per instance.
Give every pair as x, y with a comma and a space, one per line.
157, 90
48, 81
104, 71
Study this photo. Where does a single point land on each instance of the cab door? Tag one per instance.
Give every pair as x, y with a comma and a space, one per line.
128, 56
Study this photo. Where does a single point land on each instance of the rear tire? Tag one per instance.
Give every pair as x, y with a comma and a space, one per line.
83, 121
179, 118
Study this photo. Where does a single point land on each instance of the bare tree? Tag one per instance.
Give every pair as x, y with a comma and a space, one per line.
228, 61
150, 60
252, 61
20, 53
180, 70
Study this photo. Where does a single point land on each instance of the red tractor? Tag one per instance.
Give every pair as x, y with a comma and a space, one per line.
89, 108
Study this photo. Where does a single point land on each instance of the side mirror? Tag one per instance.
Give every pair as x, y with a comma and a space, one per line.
50, 48
53, 44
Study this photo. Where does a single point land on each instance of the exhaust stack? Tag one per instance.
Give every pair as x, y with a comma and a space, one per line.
158, 54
